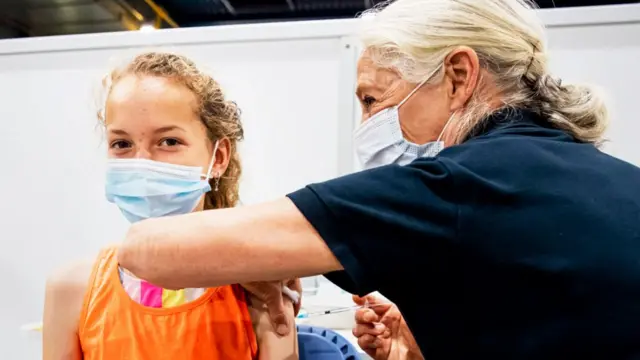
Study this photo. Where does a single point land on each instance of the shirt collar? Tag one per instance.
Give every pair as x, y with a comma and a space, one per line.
508, 118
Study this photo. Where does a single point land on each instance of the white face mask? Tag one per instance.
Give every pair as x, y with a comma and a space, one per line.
379, 140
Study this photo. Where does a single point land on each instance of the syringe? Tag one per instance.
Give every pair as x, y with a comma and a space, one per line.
337, 310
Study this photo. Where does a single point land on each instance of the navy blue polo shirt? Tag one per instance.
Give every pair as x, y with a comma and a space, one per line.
521, 243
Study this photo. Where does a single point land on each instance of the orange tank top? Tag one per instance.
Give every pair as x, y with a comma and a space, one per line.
113, 326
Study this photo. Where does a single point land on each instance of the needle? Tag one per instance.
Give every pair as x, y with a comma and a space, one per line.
338, 310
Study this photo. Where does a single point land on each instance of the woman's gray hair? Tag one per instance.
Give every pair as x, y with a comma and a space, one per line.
415, 36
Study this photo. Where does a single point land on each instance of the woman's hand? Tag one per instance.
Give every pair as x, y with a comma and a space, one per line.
270, 293
382, 332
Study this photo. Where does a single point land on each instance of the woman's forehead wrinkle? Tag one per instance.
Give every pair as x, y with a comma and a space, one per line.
380, 80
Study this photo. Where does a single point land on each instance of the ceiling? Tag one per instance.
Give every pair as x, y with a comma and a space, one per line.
22, 18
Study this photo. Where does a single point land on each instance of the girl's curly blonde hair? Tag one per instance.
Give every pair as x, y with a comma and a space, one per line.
220, 117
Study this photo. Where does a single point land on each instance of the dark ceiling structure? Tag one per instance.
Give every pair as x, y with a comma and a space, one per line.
22, 18
195, 12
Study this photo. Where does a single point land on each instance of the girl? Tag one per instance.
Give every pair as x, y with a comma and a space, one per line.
172, 140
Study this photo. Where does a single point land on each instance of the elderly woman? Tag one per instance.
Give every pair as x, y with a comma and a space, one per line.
487, 214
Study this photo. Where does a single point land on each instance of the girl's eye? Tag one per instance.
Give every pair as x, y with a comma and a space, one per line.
170, 142
120, 144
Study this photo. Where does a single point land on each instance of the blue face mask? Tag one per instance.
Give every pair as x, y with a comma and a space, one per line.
145, 189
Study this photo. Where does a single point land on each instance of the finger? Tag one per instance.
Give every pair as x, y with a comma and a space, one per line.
385, 334
296, 286
369, 342
257, 289
359, 300
277, 313
369, 329
270, 293
380, 306
361, 329
370, 298
294, 296
366, 316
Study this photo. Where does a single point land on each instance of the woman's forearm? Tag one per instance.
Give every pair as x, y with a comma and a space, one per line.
268, 241
413, 355
410, 348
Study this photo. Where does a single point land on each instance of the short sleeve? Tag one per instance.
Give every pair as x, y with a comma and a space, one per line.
383, 224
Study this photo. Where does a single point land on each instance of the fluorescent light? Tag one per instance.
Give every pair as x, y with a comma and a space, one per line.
147, 28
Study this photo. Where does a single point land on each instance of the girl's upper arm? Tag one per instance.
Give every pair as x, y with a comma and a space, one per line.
64, 297
272, 346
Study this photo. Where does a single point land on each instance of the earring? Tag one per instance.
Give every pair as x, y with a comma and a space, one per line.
217, 177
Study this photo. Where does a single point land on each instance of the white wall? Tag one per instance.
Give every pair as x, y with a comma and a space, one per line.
606, 54
294, 82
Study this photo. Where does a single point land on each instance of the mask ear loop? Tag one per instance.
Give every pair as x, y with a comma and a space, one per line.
421, 84
445, 126
213, 160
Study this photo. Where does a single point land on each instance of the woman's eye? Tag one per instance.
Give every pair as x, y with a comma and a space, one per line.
367, 101
120, 144
170, 142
